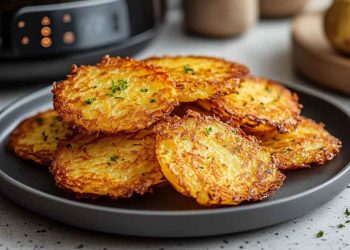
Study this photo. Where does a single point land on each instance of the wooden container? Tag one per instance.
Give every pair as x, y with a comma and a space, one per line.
314, 57
220, 18
281, 8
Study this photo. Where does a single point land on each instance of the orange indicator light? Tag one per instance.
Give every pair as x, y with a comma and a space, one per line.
45, 21
46, 31
46, 42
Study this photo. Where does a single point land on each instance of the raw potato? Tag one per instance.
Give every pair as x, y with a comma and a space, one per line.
260, 106
213, 162
36, 138
200, 77
309, 143
117, 95
108, 165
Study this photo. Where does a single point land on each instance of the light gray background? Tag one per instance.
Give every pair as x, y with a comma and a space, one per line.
266, 50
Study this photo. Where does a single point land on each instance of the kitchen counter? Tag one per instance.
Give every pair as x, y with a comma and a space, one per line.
266, 50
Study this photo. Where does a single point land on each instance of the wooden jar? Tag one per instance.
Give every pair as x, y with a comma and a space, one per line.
220, 18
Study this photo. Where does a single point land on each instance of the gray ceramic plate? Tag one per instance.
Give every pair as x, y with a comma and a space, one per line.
166, 213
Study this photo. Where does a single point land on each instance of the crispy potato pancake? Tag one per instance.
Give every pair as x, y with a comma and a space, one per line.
309, 143
117, 95
36, 138
213, 162
107, 165
181, 110
259, 106
200, 77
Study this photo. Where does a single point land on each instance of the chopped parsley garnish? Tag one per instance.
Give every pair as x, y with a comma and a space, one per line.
347, 212
95, 86
152, 100
188, 69
44, 135
340, 226
348, 221
234, 131
209, 130
119, 97
114, 87
114, 158
90, 100
267, 89
69, 146
320, 234
121, 86
144, 90
39, 120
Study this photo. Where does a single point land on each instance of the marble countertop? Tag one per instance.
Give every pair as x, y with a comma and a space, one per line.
266, 50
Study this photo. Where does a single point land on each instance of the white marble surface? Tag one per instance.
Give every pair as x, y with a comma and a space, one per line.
265, 49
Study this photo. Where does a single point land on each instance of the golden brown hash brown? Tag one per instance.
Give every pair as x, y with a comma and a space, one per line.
260, 105
201, 77
308, 143
117, 95
181, 110
36, 138
107, 165
213, 162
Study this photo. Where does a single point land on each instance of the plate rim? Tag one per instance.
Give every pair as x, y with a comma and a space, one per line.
127, 211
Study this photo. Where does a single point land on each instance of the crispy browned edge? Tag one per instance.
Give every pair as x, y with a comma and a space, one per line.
237, 70
321, 157
68, 115
281, 127
176, 121
59, 174
42, 157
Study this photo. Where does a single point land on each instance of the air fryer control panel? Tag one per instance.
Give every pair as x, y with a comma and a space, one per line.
69, 27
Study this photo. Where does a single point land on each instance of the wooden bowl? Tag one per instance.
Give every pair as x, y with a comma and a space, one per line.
314, 57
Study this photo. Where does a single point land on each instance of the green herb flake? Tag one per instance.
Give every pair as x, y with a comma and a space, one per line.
188, 69
114, 158
90, 100
119, 97
320, 234
152, 100
267, 89
123, 84
94, 86
348, 221
114, 87
341, 226
347, 212
44, 136
39, 120
144, 90
209, 130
